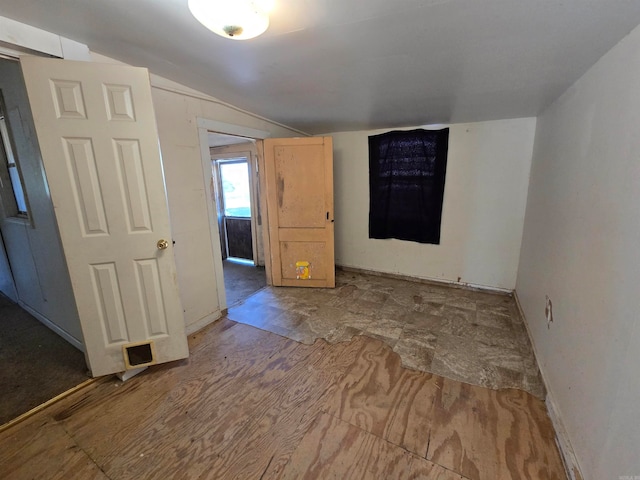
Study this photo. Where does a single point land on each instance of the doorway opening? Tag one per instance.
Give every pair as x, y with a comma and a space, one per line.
234, 209
40, 337
234, 173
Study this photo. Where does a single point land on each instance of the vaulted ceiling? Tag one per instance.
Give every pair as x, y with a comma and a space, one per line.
332, 65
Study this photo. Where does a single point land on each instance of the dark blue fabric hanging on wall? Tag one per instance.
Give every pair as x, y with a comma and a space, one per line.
406, 184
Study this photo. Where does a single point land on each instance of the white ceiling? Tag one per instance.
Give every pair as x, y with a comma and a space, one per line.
331, 65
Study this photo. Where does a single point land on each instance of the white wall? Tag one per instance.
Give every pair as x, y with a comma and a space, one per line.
483, 212
581, 247
177, 114
33, 247
177, 110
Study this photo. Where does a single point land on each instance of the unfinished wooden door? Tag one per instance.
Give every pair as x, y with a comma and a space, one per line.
97, 133
299, 189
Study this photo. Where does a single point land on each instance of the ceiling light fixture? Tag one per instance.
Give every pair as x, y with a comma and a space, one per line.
234, 19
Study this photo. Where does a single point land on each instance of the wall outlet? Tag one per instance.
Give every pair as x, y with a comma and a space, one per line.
548, 311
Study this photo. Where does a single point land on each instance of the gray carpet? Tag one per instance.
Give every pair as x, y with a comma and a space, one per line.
241, 281
37, 364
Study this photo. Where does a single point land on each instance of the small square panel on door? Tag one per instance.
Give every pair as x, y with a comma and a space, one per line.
312, 252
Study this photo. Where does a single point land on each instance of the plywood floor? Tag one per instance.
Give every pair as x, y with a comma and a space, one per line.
470, 336
250, 404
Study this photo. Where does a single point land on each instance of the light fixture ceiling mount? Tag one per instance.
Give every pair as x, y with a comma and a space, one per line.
234, 19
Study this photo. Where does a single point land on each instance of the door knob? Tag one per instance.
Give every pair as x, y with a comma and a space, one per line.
162, 244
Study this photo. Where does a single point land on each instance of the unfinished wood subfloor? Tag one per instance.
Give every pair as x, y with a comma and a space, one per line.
250, 404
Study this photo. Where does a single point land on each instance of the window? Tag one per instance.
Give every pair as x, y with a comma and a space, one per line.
234, 175
12, 191
406, 184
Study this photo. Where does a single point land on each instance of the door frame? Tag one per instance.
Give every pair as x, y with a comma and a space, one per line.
9, 288
232, 157
12, 50
205, 126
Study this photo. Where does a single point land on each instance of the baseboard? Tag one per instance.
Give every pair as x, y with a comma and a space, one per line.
563, 441
562, 437
425, 280
48, 323
203, 322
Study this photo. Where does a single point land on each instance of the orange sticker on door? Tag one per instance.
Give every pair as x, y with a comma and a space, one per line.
303, 270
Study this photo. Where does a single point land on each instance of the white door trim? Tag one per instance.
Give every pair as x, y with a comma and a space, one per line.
231, 129
9, 283
206, 125
20, 39
29, 39
214, 231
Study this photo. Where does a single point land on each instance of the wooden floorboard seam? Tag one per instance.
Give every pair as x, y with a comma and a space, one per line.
426, 452
254, 405
56, 399
79, 447
267, 467
390, 442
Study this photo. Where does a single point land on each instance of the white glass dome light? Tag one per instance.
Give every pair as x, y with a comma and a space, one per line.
234, 19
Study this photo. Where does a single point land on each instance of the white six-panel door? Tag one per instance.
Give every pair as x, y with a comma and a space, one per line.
97, 132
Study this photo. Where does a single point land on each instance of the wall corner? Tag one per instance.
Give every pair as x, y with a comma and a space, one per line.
563, 441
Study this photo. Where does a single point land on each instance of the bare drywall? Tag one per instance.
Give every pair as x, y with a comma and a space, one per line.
580, 247
483, 212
